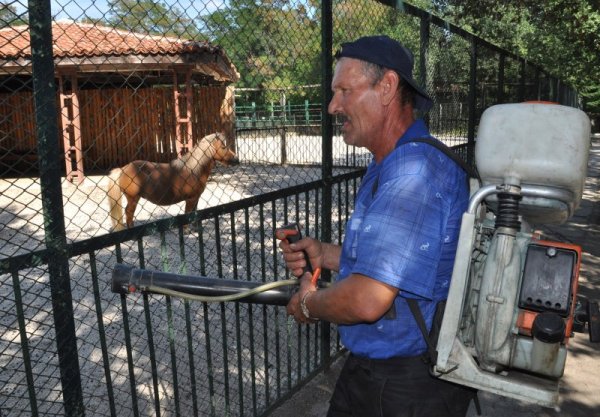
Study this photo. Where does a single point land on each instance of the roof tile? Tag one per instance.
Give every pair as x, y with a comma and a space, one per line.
71, 39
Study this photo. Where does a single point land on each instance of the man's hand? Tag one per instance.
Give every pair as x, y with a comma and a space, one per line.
293, 253
294, 308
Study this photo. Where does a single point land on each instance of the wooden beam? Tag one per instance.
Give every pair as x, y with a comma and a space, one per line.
210, 65
183, 120
71, 127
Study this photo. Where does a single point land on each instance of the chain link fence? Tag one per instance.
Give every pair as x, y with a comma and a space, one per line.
87, 87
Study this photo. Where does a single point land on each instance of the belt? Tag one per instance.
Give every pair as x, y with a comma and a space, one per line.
390, 366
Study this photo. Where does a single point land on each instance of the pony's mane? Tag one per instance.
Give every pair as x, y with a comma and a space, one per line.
200, 155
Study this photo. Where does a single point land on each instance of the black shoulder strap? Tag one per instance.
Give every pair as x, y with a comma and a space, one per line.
412, 303
416, 311
471, 172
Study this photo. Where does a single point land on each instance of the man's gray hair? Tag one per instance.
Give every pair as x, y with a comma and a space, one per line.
376, 72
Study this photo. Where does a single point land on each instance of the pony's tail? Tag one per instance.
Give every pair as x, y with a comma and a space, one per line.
114, 194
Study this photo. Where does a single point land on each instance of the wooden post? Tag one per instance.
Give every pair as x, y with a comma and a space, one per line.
71, 126
183, 123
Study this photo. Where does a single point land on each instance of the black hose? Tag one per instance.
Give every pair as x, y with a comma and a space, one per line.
126, 279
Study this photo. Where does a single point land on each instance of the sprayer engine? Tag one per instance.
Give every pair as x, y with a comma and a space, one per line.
534, 313
513, 298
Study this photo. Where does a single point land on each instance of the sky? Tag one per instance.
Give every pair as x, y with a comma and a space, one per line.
75, 9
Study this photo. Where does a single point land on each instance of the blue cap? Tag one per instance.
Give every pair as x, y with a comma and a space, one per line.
388, 53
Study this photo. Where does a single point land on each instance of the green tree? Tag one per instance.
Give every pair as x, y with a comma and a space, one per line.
148, 17
275, 44
559, 35
9, 15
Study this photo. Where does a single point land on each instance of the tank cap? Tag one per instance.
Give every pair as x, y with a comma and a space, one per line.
548, 327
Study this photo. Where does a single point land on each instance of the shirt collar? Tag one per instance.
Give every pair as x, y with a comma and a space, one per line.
417, 129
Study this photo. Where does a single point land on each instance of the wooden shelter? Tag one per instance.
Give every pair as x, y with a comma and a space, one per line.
122, 95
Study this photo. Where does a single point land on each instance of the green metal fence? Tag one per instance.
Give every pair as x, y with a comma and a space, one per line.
275, 115
68, 344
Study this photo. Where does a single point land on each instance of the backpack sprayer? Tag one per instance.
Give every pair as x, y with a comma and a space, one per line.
512, 304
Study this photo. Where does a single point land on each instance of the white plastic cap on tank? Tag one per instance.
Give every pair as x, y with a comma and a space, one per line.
535, 143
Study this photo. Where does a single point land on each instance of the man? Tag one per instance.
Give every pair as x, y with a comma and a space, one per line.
400, 242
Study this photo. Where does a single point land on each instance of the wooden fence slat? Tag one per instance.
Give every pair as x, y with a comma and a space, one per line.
120, 125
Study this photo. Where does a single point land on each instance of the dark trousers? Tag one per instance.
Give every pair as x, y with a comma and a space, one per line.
396, 387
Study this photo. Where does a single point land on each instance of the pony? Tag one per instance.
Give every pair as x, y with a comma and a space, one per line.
164, 184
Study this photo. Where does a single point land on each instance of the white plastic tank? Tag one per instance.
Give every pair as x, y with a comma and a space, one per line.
535, 143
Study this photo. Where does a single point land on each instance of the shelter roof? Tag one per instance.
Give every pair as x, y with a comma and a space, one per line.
93, 48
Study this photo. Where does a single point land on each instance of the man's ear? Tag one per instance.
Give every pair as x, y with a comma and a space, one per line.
389, 86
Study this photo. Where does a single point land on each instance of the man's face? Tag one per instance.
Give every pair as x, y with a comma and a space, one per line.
357, 101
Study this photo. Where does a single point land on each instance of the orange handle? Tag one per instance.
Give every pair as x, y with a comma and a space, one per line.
282, 234
315, 276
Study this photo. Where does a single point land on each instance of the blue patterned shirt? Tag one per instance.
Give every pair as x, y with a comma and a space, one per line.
404, 232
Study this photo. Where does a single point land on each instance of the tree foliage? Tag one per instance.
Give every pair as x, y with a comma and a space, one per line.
148, 17
274, 43
561, 36
9, 15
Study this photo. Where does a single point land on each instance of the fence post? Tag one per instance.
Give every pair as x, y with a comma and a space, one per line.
46, 115
500, 92
306, 113
283, 144
327, 149
283, 102
424, 54
472, 103
545, 87
522, 81
538, 94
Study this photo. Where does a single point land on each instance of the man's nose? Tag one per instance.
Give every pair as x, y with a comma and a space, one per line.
333, 107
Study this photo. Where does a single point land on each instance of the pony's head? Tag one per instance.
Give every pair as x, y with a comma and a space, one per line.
223, 153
